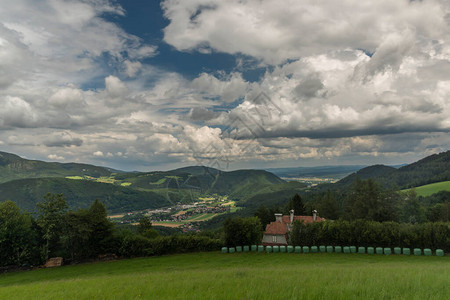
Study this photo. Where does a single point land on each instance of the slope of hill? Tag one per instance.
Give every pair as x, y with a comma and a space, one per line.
434, 168
431, 189
27, 181
374, 172
431, 169
241, 183
273, 196
79, 194
198, 170
236, 184
14, 167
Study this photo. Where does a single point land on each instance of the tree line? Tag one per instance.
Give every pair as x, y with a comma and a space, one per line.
367, 199
79, 235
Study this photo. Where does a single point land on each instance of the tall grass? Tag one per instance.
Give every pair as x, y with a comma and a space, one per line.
239, 276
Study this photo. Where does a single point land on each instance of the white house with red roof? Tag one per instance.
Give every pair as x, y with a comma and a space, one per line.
277, 232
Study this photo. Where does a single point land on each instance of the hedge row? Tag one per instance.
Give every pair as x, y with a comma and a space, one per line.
137, 245
362, 233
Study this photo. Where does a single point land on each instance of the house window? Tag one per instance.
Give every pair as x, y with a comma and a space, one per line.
274, 238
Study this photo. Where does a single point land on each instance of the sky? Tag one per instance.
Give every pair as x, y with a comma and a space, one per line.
156, 85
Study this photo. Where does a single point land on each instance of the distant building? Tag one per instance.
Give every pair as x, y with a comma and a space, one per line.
277, 232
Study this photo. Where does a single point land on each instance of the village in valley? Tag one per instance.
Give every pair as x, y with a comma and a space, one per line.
186, 217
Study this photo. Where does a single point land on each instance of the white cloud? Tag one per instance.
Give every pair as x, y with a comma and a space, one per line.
142, 52
229, 89
55, 157
132, 68
115, 87
16, 112
276, 31
98, 154
68, 96
61, 41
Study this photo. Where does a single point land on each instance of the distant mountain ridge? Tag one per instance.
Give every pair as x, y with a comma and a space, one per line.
433, 168
204, 179
319, 171
15, 167
27, 181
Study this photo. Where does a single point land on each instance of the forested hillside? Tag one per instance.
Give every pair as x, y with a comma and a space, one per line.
241, 183
27, 181
250, 189
434, 168
14, 167
237, 184
79, 194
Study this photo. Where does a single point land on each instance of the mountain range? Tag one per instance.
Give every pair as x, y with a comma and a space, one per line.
27, 181
433, 168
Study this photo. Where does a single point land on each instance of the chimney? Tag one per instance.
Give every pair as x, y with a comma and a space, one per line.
291, 215
314, 215
278, 218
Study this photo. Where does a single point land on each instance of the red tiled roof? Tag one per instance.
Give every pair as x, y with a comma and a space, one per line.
276, 228
306, 219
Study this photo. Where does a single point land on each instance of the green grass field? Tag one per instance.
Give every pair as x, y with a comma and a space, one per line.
75, 177
430, 189
239, 276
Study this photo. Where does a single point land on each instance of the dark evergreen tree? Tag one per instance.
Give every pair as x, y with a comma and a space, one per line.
296, 203
266, 215
145, 228
329, 207
367, 200
102, 228
412, 212
78, 232
51, 221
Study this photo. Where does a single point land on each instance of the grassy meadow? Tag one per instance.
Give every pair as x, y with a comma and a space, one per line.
430, 189
239, 276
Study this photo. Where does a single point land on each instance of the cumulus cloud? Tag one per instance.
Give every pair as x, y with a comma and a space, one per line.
229, 89
62, 41
115, 87
55, 157
275, 31
68, 96
308, 88
64, 139
132, 68
16, 112
98, 154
